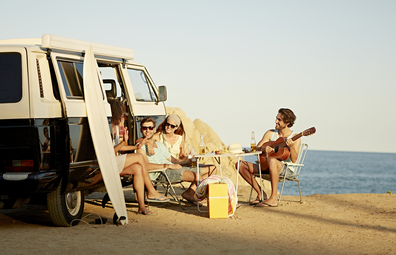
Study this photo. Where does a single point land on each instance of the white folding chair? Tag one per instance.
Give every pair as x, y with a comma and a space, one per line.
288, 176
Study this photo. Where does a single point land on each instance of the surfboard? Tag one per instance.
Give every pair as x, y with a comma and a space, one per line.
101, 136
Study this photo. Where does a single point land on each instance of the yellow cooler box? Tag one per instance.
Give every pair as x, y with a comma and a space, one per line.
218, 200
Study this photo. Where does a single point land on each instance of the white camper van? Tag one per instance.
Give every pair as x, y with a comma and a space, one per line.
46, 148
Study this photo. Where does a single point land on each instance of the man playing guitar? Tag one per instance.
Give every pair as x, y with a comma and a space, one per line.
272, 165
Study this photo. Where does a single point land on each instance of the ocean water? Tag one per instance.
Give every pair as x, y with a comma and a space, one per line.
339, 172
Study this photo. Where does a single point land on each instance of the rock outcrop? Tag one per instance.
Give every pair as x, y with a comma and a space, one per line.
194, 129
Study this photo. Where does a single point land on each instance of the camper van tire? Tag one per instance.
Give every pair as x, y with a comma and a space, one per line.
65, 209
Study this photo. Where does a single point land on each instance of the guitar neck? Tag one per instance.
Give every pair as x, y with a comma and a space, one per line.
283, 144
297, 136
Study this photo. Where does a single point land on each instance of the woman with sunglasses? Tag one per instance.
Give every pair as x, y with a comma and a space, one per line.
131, 163
171, 134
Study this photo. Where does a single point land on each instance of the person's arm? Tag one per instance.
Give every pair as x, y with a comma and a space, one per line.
123, 146
294, 148
183, 154
118, 147
184, 161
266, 138
156, 136
150, 143
130, 147
150, 147
152, 166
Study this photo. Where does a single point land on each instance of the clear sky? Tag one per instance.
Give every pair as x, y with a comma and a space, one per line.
233, 64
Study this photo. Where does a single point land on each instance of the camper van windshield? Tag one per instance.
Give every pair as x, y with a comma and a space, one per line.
141, 87
10, 77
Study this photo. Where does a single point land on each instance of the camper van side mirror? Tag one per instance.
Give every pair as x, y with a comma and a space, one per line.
162, 93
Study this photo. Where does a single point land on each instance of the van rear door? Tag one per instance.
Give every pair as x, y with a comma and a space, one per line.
17, 133
14, 84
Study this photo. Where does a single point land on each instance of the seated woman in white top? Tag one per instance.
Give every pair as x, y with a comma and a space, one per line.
171, 134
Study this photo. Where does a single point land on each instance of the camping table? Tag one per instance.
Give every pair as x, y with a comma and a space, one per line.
217, 157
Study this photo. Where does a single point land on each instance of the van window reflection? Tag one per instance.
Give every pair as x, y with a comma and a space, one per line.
45, 149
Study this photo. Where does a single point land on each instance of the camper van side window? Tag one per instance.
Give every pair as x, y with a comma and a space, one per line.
72, 78
10, 77
141, 87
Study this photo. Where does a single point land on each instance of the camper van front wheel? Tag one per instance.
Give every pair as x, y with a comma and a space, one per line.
65, 209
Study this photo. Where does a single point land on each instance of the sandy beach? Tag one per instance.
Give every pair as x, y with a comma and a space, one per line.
322, 224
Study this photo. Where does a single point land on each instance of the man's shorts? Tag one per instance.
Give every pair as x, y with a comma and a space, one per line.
176, 174
281, 172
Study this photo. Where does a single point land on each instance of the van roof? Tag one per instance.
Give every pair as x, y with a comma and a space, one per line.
73, 45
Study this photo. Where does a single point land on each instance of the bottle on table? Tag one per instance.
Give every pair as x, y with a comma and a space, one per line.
252, 143
193, 158
202, 146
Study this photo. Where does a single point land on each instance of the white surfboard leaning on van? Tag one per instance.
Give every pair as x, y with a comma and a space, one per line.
98, 125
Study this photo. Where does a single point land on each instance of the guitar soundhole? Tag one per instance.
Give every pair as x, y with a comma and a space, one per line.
276, 149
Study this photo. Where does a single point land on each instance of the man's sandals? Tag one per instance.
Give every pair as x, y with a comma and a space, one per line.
262, 204
255, 202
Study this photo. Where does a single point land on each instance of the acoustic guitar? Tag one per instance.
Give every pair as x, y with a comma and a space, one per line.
281, 151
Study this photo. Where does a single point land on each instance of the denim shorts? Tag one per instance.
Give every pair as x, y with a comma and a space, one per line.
176, 174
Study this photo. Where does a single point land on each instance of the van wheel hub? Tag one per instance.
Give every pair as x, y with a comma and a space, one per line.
73, 202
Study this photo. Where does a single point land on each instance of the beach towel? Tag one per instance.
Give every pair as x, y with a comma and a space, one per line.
202, 190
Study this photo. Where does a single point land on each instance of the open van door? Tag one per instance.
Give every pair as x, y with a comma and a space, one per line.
145, 98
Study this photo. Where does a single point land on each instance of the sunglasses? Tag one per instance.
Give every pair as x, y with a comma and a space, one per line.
170, 125
145, 128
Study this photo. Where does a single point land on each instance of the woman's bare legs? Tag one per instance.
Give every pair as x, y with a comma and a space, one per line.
138, 159
138, 184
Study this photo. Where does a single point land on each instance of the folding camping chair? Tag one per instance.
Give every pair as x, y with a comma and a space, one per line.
167, 184
287, 176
